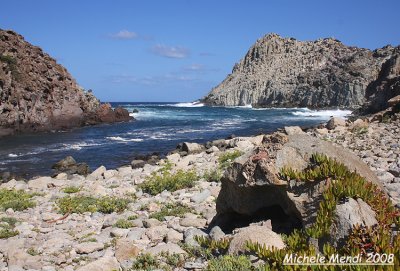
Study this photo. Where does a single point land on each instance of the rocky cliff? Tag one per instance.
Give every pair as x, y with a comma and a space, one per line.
37, 94
285, 72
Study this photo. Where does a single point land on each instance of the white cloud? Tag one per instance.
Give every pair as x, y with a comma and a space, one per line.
170, 51
194, 67
124, 35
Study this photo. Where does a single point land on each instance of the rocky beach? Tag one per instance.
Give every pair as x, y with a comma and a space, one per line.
124, 218
294, 155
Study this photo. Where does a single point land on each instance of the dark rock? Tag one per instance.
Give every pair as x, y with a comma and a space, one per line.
64, 163
137, 164
37, 94
135, 111
70, 166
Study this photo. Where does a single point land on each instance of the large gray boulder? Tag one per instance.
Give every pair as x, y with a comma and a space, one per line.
253, 189
348, 214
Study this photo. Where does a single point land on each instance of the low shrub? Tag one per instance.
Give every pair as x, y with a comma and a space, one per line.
7, 225
164, 179
171, 209
82, 204
230, 263
227, 158
18, 200
123, 224
71, 189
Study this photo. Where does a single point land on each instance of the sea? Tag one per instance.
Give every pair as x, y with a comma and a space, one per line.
158, 127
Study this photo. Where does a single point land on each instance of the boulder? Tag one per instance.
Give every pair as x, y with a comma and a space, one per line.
252, 187
88, 247
394, 101
347, 215
125, 249
292, 130
335, 122
169, 248
137, 164
68, 165
255, 233
192, 147
102, 264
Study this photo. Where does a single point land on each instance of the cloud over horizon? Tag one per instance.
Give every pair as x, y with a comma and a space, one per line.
170, 51
124, 35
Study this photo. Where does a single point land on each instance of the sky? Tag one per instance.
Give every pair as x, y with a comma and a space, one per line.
178, 50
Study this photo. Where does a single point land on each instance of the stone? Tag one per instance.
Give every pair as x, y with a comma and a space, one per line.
193, 222
101, 264
125, 249
358, 124
254, 233
151, 222
169, 247
212, 149
137, 164
110, 173
173, 236
347, 215
136, 234
189, 235
200, 197
88, 247
293, 130
394, 101
117, 232
44, 183
216, 233
174, 158
194, 266
157, 233
335, 122
98, 173
192, 147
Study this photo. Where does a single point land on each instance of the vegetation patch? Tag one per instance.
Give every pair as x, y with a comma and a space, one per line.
7, 225
215, 247
145, 262
82, 204
11, 64
230, 263
226, 159
164, 179
123, 224
18, 200
213, 175
171, 209
71, 189
343, 183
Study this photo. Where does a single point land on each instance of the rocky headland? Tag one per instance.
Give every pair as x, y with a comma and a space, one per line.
205, 207
285, 72
37, 94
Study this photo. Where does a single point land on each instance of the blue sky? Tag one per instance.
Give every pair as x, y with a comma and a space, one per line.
178, 50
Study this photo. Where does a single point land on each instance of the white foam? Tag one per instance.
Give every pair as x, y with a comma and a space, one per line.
192, 104
122, 139
13, 155
322, 113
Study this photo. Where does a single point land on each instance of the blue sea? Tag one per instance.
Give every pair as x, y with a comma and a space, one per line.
159, 127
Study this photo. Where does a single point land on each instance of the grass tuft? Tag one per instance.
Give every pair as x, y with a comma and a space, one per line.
18, 200
82, 204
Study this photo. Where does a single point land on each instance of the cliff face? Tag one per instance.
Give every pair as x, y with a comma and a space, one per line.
37, 94
284, 72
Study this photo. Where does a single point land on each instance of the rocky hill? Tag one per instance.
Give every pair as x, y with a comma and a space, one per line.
285, 72
37, 94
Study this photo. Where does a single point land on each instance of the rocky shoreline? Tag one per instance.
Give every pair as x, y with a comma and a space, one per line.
142, 224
